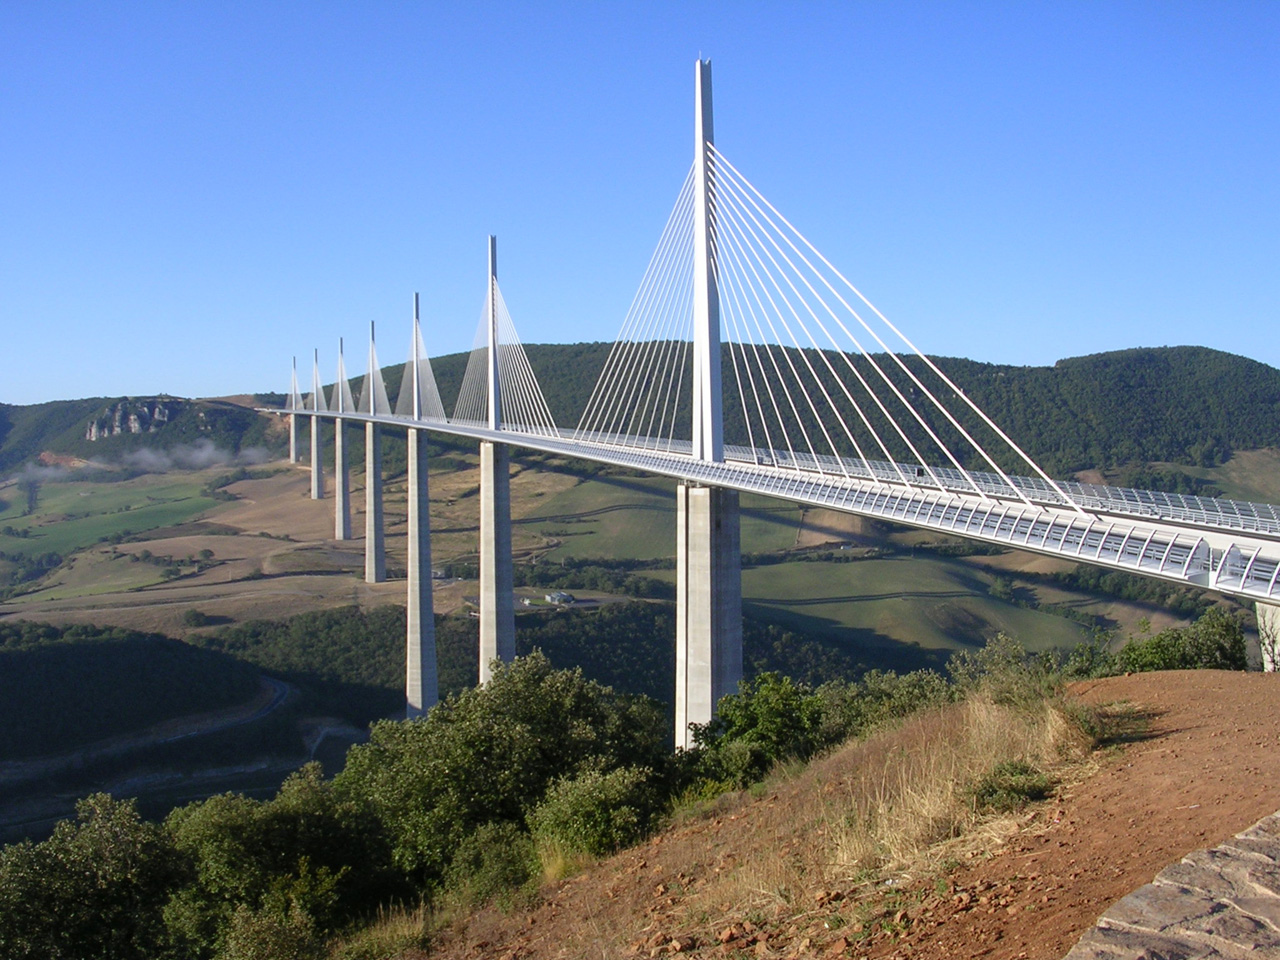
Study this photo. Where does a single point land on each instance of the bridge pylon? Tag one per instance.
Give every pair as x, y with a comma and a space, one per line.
375, 550
497, 580
708, 541
421, 686
341, 466
317, 404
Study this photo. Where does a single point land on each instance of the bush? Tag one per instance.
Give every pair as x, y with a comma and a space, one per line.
1010, 785
854, 709
196, 618
270, 934
491, 865
770, 718
94, 889
1004, 671
1214, 642
491, 753
594, 813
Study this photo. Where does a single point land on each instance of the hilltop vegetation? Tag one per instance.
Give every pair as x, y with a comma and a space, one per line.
63, 688
1183, 405
526, 778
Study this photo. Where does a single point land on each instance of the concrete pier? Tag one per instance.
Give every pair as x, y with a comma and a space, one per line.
293, 438
1269, 635
341, 483
375, 552
497, 604
317, 469
708, 603
421, 687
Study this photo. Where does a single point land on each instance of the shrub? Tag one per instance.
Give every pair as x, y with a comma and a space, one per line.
491, 864
770, 718
1010, 785
93, 889
594, 813
854, 709
1214, 642
270, 934
196, 618
1004, 671
490, 754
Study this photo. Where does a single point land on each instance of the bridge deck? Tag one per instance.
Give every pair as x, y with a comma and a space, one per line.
1226, 545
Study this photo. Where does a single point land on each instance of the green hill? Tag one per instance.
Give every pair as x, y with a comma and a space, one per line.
1185, 405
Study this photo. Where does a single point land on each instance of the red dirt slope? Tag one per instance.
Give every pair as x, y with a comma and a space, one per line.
1205, 770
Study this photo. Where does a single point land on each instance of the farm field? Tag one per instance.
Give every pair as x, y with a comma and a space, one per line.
71, 515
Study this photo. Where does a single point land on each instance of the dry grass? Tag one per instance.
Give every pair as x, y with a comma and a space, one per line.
900, 803
888, 815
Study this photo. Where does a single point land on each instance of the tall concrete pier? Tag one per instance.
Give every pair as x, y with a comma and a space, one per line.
708, 561
317, 404
375, 552
421, 687
341, 466
421, 684
341, 482
497, 602
1269, 635
317, 471
709, 603
293, 438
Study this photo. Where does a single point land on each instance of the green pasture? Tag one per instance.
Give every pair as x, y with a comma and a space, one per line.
622, 518
934, 605
72, 515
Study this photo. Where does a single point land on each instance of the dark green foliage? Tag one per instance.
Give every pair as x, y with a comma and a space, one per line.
1010, 785
770, 718
1171, 481
1004, 671
351, 659
1183, 600
879, 697
627, 646
196, 618
307, 853
1091, 658
96, 888
489, 754
616, 576
271, 932
490, 864
1213, 642
595, 812
773, 718
62, 687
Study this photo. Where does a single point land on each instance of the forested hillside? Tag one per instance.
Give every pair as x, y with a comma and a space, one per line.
1188, 405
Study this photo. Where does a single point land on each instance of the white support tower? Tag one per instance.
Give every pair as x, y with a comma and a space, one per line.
375, 553
317, 404
293, 417
341, 466
421, 686
497, 601
708, 562
1269, 635
708, 432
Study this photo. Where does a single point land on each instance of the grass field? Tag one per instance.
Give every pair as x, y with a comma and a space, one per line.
618, 518
935, 605
72, 515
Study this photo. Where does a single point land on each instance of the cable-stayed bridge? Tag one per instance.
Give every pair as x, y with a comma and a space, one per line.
748, 363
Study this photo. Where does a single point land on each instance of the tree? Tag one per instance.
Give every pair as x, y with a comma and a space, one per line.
489, 754
96, 888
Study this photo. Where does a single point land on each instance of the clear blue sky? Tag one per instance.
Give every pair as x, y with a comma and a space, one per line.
191, 193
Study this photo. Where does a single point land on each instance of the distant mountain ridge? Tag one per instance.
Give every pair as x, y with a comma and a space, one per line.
1191, 405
